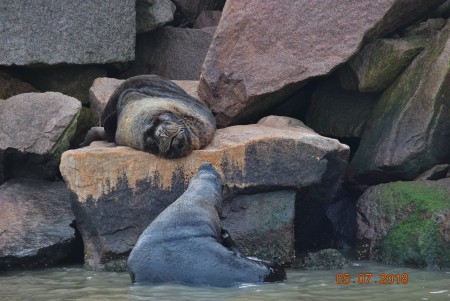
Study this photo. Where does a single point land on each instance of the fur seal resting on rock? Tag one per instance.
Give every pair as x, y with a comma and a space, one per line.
153, 114
186, 244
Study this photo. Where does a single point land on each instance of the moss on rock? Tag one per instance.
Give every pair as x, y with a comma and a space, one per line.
410, 214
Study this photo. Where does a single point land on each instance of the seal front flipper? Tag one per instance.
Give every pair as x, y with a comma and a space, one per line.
228, 242
94, 134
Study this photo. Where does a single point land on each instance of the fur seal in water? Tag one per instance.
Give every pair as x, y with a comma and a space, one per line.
153, 114
186, 244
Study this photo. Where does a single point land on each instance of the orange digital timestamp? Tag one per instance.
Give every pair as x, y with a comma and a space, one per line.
368, 278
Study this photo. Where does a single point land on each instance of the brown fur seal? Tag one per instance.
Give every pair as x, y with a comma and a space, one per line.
153, 114
186, 243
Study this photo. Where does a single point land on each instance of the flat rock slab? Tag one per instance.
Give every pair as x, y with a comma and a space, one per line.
118, 191
38, 123
35, 218
263, 51
73, 32
405, 223
409, 129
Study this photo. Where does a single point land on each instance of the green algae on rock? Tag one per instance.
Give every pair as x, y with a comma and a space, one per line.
406, 223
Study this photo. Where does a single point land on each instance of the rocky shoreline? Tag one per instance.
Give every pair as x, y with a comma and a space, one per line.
334, 128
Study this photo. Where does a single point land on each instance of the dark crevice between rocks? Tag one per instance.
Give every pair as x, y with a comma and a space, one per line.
76, 252
18, 164
328, 225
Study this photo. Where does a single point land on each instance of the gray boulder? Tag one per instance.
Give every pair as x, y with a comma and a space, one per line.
175, 53
38, 123
73, 32
405, 223
35, 129
262, 52
409, 127
35, 223
336, 112
151, 14
379, 63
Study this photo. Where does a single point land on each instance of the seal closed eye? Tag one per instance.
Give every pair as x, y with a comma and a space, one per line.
153, 114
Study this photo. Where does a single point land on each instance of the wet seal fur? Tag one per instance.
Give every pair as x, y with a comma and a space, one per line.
153, 114
186, 243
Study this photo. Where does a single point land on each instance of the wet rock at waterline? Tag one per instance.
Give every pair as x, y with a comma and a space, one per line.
102, 89
35, 224
409, 130
327, 259
263, 51
174, 53
67, 32
151, 14
11, 86
263, 224
405, 223
114, 198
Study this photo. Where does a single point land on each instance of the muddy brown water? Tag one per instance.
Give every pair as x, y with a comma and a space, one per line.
361, 282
